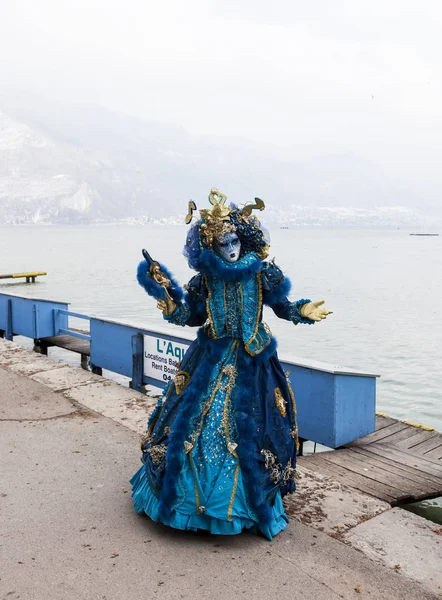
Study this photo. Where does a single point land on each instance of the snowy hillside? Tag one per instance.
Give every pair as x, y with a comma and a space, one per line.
81, 163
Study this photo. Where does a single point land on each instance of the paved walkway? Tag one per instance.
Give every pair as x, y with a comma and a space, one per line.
68, 530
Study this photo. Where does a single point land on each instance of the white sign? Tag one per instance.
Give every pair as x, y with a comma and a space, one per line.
161, 357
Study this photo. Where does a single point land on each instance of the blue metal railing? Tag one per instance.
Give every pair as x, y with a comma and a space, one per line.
62, 330
335, 405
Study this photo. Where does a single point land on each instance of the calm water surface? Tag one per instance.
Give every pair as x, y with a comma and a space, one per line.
385, 288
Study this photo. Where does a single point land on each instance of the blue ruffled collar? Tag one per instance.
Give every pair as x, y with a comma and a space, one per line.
212, 265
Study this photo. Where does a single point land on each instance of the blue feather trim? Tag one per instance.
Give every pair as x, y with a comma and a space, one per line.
249, 458
279, 293
296, 316
213, 265
152, 287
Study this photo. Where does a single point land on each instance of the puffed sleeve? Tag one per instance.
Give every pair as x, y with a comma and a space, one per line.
275, 289
192, 311
153, 288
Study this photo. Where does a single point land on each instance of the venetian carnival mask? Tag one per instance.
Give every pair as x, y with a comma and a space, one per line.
218, 226
228, 247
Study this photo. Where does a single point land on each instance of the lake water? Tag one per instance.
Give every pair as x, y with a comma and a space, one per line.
385, 288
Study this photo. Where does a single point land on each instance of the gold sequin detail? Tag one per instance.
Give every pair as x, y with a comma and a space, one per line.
232, 497
232, 447
272, 465
157, 453
195, 479
258, 318
181, 379
205, 410
292, 397
216, 224
146, 439
280, 402
230, 371
277, 473
212, 332
187, 447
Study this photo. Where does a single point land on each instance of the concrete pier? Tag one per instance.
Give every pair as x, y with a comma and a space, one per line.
69, 443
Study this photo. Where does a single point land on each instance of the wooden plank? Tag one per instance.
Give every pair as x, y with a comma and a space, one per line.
382, 422
435, 453
363, 484
419, 485
417, 439
402, 489
376, 436
426, 446
74, 345
413, 472
402, 435
427, 465
68, 342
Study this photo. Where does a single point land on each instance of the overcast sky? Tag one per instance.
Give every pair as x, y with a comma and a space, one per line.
361, 76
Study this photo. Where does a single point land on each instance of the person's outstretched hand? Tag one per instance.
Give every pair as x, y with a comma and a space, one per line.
313, 311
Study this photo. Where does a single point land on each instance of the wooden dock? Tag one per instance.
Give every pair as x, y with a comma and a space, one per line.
30, 276
398, 463
68, 342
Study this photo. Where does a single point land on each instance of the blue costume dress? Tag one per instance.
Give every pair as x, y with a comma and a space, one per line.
220, 448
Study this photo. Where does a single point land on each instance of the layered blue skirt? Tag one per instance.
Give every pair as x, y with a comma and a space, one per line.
210, 491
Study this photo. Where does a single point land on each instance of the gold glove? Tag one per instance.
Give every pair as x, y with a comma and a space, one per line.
168, 306
312, 311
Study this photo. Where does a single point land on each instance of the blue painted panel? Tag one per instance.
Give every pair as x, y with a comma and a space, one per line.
111, 346
355, 408
30, 317
332, 408
3, 311
315, 403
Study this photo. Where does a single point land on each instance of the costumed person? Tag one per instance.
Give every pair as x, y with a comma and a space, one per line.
220, 448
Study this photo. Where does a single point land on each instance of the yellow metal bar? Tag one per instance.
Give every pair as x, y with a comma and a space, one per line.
34, 274
419, 425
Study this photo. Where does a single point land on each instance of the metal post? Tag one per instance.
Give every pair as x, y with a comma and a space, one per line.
55, 321
84, 361
301, 446
137, 362
40, 347
36, 332
9, 333
96, 370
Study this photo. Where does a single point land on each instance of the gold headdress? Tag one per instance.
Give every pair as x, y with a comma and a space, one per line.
216, 221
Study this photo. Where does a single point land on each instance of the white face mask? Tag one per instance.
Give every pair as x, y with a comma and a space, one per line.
228, 247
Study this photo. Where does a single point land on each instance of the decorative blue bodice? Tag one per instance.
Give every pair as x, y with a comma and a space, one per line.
234, 302
234, 310
227, 298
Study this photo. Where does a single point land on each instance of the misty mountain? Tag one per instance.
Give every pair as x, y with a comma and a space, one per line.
83, 162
